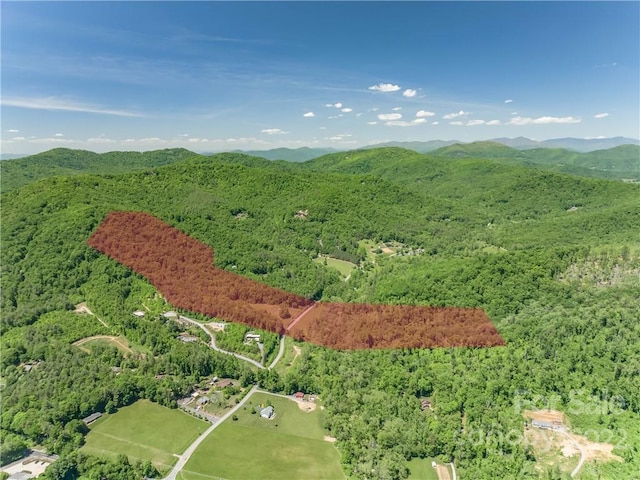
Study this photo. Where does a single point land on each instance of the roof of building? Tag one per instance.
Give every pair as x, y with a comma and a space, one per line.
24, 475
541, 423
92, 418
267, 412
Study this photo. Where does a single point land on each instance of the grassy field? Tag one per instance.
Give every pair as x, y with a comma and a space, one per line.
342, 266
144, 431
421, 469
289, 446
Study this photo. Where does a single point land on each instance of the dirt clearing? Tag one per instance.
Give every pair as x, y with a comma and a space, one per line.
443, 472
306, 406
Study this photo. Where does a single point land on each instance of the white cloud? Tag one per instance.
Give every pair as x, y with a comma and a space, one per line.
385, 87
328, 104
337, 105
374, 109
450, 116
472, 123
309, 115
17, 138
372, 123
59, 135
13, 130
396, 109
493, 122
456, 123
514, 113
53, 103
338, 137
508, 101
359, 114
101, 140
424, 113
403, 123
601, 115
389, 116
409, 93
347, 110
183, 135
273, 131
542, 120
435, 123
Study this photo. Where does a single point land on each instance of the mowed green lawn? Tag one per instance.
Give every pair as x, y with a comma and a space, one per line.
255, 448
421, 469
144, 431
342, 266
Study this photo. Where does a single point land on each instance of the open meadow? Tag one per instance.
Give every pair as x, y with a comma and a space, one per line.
291, 445
144, 431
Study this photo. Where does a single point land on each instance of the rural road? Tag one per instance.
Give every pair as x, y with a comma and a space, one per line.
300, 317
280, 353
583, 454
184, 458
82, 308
216, 348
453, 469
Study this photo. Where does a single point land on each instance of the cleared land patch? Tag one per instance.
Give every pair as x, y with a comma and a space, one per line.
119, 342
290, 446
181, 268
422, 469
345, 268
561, 448
144, 431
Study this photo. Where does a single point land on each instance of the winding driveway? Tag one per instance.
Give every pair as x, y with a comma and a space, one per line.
583, 454
213, 345
184, 458
280, 353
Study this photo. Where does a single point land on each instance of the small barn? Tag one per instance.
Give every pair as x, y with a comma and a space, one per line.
91, 418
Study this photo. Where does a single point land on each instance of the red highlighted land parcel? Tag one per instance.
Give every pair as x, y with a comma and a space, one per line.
182, 269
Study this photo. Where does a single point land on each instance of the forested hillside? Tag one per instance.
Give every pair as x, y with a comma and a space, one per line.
553, 259
63, 161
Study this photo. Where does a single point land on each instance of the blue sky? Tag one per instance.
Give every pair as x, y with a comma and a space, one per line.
212, 76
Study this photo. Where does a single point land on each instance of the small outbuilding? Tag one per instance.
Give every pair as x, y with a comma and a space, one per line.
267, 412
91, 418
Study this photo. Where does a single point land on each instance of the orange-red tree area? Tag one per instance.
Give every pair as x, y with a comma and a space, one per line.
181, 268
348, 326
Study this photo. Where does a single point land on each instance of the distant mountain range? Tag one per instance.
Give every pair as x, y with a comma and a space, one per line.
522, 143
519, 143
301, 154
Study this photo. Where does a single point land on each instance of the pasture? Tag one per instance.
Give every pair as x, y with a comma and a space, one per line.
290, 446
144, 431
345, 268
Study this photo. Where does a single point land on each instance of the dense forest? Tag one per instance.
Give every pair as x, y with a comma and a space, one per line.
553, 260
